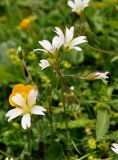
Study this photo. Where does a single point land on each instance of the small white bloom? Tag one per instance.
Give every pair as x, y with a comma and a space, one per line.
26, 107
102, 75
67, 39
44, 64
78, 5
19, 49
48, 47
72, 88
8, 158
115, 148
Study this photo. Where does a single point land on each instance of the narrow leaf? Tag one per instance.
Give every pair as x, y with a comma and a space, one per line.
103, 121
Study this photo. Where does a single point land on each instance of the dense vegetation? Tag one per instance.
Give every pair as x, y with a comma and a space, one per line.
81, 121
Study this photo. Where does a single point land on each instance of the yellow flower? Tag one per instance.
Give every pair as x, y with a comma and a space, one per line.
92, 143
25, 24
45, 81
66, 64
24, 99
22, 89
13, 57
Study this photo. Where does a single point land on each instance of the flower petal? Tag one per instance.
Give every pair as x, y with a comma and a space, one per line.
71, 4
26, 121
77, 48
60, 33
44, 64
115, 145
46, 45
69, 35
78, 40
56, 42
38, 110
86, 3
13, 113
115, 150
19, 100
38, 49
31, 100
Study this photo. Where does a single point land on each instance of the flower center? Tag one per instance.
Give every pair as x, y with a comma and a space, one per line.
27, 109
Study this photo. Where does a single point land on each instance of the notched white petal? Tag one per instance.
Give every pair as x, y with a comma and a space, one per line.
38, 110
26, 121
13, 113
46, 45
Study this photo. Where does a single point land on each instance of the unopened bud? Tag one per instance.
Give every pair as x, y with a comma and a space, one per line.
20, 54
97, 75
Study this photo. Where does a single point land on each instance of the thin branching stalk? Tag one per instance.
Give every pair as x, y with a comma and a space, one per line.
66, 122
73, 76
28, 73
29, 143
50, 106
6, 154
99, 50
82, 20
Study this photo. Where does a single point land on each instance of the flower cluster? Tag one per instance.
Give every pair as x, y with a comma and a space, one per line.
78, 5
23, 98
65, 40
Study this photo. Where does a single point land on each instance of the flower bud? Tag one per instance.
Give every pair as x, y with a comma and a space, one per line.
20, 54
96, 75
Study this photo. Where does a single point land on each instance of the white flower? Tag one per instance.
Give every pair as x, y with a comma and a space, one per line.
96, 75
72, 88
78, 5
8, 158
102, 75
19, 49
67, 39
115, 148
25, 106
48, 47
44, 64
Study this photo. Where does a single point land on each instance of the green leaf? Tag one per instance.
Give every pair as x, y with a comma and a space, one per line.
103, 121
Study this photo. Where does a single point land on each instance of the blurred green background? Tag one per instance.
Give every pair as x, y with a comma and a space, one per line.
93, 125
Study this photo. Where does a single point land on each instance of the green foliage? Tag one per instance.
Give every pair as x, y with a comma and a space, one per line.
103, 122
92, 107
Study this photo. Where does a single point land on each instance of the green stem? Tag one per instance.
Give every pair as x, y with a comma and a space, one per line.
82, 20
65, 118
50, 106
25, 68
73, 76
29, 143
67, 131
6, 155
101, 50
83, 157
